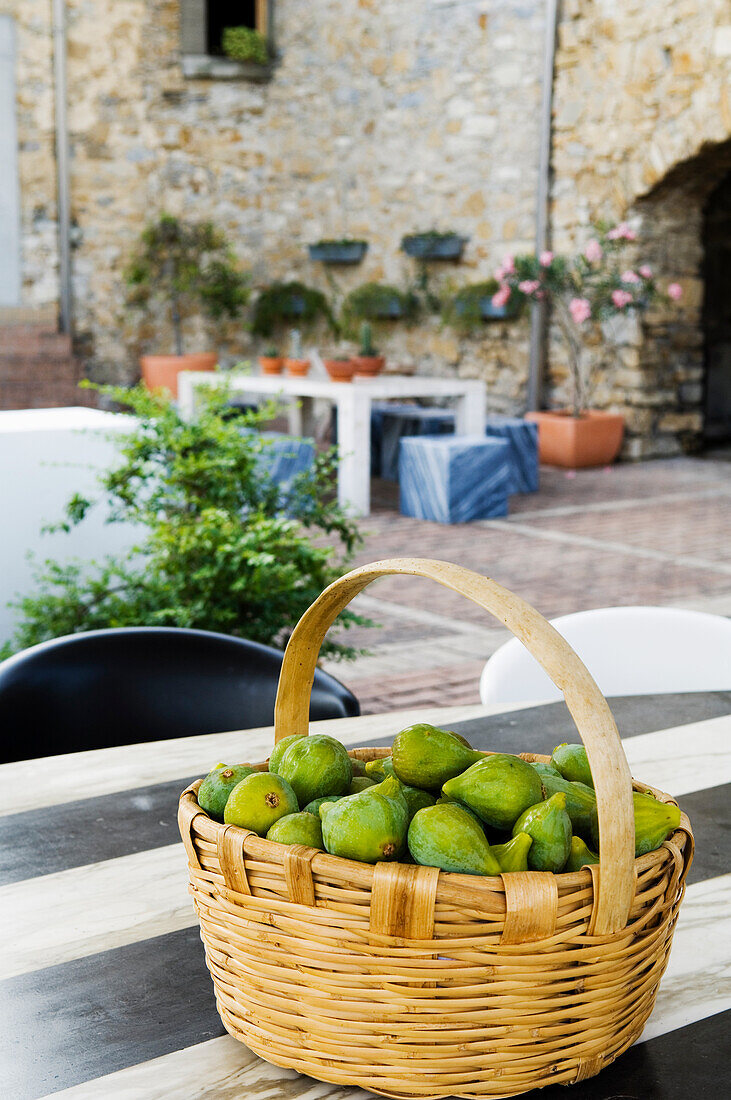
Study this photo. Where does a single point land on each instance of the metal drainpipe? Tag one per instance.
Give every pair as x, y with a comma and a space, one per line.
62, 163
538, 309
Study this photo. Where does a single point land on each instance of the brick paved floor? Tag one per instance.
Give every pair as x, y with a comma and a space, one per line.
655, 533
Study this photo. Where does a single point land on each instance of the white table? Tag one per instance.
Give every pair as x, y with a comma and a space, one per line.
103, 987
353, 402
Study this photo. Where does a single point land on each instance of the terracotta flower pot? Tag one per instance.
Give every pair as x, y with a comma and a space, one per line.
593, 439
297, 367
160, 372
271, 364
340, 370
370, 365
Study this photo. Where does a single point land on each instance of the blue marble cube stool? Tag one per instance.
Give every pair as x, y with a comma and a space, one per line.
454, 478
522, 435
390, 422
283, 458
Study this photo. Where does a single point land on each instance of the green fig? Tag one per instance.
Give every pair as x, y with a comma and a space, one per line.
654, 821
379, 769
313, 807
358, 766
217, 786
513, 854
498, 788
580, 801
258, 801
425, 756
447, 836
573, 763
301, 828
550, 826
416, 799
546, 769
360, 783
316, 765
369, 826
446, 800
579, 855
279, 750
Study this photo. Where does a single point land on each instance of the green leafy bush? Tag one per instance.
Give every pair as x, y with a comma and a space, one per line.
245, 44
190, 268
219, 549
289, 303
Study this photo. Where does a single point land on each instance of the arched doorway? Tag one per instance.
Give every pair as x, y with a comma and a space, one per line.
717, 314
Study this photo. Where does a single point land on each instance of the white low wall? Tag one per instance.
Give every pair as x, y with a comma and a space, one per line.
47, 455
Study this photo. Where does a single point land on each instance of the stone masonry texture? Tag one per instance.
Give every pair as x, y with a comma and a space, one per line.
384, 117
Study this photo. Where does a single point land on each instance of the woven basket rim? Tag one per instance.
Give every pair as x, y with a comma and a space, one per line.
323, 861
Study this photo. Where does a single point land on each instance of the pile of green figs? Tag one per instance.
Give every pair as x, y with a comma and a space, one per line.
434, 801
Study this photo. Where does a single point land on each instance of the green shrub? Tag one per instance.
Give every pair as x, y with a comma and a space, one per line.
189, 267
245, 44
218, 550
290, 303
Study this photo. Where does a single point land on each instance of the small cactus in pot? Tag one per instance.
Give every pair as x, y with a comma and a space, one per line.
295, 363
271, 362
368, 361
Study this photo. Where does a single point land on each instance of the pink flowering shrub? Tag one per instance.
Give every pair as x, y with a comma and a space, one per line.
593, 285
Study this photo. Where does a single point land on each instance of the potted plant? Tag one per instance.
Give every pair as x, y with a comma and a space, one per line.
433, 245
368, 361
282, 303
245, 44
345, 251
295, 364
473, 305
271, 362
377, 302
340, 368
594, 287
188, 268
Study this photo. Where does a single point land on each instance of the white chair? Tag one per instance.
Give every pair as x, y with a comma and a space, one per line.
628, 651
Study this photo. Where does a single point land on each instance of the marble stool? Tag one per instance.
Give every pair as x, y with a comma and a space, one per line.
390, 422
454, 478
522, 435
283, 458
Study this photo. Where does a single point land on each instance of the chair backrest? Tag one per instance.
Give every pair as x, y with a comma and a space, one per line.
628, 651
119, 687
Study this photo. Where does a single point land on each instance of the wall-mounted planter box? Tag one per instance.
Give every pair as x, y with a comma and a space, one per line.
434, 246
490, 312
338, 252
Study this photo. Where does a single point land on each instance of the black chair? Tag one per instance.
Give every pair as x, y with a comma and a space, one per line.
120, 687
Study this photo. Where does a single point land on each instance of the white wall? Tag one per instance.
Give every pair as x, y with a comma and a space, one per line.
47, 455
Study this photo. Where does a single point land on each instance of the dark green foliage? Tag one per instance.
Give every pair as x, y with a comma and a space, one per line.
245, 44
191, 268
339, 241
465, 310
218, 548
290, 303
376, 302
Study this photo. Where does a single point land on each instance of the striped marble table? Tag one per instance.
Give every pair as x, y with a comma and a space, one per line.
103, 984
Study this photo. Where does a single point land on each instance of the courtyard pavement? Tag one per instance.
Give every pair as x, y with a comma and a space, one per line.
652, 533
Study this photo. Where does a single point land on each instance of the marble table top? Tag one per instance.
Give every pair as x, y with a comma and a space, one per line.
103, 984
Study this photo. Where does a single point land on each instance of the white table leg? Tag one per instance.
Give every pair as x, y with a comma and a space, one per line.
186, 396
354, 446
471, 413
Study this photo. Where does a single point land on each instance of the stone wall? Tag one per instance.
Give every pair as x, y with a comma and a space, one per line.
643, 112
383, 117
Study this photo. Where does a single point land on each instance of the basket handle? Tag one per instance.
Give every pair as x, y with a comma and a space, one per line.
588, 707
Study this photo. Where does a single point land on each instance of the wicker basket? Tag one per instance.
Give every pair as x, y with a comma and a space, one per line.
411, 982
